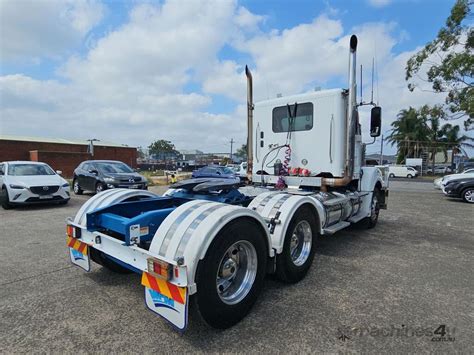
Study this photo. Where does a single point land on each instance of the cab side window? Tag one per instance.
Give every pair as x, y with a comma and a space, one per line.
2, 169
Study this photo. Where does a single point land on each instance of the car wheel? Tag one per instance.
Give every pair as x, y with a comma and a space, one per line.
76, 187
299, 246
391, 176
99, 187
5, 200
231, 275
410, 176
468, 195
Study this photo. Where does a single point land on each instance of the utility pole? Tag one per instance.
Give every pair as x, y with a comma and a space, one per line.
231, 146
381, 151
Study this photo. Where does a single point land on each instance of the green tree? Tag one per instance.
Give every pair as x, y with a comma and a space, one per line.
449, 64
409, 132
163, 150
162, 147
454, 141
242, 152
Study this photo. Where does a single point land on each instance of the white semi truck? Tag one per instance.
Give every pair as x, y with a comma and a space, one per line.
211, 242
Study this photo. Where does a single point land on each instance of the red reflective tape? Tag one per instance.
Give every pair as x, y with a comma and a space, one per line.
153, 283
71, 243
81, 248
175, 293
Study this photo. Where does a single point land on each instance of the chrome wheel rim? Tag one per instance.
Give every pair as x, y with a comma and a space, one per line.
236, 272
300, 243
76, 187
469, 196
99, 188
374, 208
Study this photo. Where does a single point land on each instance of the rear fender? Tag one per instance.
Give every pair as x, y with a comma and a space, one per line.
278, 208
186, 234
107, 198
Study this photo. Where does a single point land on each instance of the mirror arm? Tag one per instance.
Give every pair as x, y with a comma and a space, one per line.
371, 142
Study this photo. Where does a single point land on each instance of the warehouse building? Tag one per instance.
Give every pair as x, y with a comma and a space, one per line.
63, 154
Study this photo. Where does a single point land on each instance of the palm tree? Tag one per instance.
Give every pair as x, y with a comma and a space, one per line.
409, 131
454, 141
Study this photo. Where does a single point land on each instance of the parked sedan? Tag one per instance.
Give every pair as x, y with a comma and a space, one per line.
214, 172
100, 175
460, 188
26, 182
440, 182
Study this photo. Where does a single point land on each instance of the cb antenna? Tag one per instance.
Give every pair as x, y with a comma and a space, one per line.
372, 94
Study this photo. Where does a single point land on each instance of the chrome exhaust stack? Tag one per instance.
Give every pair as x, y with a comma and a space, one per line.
250, 108
351, 122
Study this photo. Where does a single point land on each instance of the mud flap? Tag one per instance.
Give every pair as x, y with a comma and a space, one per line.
79, 253
167, 300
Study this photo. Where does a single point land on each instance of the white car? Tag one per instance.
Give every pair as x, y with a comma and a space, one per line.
25, 182
440, 182
402, 171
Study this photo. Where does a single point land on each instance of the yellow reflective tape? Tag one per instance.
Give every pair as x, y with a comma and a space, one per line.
145, 281
182, 291
163, 285
77, 245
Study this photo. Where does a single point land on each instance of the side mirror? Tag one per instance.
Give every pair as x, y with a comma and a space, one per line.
375, 121
218, 172
93, 171
59, 172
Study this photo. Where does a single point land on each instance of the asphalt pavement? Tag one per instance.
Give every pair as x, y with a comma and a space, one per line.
387, 289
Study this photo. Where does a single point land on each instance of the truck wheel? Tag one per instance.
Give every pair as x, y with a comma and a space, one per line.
391, 175
76, 187
371, 221
299, 246
468, 195
4, 199
230, 277
410, 176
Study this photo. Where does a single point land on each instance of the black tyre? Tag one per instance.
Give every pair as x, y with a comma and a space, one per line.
410, 176
231, 275
99, 187
468, 195
4, 199
371, 221
391, 175
299, 246
76, 187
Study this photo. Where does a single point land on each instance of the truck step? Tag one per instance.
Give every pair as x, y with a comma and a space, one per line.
336, 227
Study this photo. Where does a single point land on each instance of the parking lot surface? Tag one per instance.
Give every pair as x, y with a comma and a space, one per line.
380, 290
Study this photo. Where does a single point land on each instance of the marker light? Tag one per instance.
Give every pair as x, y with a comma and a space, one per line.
160, 268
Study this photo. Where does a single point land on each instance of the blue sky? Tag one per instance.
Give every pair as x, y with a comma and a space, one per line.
132, 72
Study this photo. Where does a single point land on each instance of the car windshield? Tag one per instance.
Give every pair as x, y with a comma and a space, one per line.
226, 170
114, 168
29, 170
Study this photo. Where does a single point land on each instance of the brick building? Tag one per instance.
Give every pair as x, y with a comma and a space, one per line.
62, 154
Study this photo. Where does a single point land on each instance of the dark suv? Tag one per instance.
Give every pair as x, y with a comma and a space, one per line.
99, 175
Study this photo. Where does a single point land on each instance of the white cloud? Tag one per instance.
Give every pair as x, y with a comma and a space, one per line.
33, 29
154, 76
379, 3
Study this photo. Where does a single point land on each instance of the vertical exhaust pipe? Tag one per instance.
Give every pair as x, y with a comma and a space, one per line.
352, 109
249, 123
351, 121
